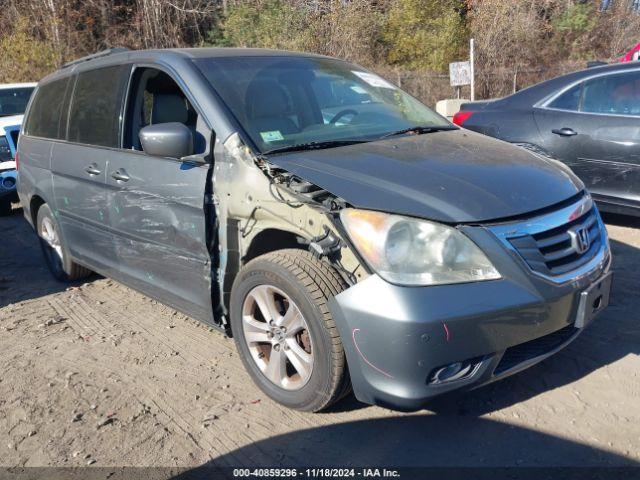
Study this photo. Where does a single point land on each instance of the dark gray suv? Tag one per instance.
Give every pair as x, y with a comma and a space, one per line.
343, 233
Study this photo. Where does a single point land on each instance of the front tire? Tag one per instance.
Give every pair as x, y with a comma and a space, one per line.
55, 252
284, 331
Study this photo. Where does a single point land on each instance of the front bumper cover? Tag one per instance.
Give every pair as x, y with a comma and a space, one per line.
396, 336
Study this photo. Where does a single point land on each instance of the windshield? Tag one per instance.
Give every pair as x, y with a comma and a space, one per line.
286, 101
13, 101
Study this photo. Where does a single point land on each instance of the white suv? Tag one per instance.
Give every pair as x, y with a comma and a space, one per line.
13, 102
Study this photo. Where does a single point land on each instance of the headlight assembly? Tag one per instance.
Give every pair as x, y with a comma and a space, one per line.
409, 251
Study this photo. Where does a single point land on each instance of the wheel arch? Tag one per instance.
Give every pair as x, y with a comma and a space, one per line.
35, 203
272, 239
265, 241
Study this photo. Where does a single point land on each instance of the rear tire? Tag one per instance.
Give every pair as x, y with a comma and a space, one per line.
55, 252
313, 372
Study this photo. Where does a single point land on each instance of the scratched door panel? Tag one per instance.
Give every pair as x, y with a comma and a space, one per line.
80, 203
564, 148
158, 225
609, 157
604, 152
78, 164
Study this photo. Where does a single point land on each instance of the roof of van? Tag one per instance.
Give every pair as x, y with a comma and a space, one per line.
116, 55
237, 52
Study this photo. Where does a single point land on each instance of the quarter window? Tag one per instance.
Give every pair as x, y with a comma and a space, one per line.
43, 119
614, 94
569, 100
95, 109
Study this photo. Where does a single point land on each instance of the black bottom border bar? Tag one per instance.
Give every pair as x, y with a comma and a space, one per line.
406, 473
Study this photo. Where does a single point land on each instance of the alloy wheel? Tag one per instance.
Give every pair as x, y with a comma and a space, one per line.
277, 336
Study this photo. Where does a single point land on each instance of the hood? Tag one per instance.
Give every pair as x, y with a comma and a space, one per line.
453, 176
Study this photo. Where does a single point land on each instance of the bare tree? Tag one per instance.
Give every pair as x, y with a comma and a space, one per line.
173, 23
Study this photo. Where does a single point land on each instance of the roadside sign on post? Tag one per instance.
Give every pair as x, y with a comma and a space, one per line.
460, 74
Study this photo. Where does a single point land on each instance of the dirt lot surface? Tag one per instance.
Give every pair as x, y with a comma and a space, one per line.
97, 374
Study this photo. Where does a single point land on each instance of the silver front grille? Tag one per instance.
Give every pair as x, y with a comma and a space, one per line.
558, 251
560, 243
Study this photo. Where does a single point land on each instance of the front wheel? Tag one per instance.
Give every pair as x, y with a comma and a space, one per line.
54, 250
284, 331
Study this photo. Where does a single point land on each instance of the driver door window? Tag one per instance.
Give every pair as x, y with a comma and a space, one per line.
156, 98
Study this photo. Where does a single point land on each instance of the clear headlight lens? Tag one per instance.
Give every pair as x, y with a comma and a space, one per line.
409, 251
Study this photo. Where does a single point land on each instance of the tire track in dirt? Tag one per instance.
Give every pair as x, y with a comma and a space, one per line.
90, 322
199, 339
87, 320
209, 347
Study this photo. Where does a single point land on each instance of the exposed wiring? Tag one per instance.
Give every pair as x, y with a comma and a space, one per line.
278, 196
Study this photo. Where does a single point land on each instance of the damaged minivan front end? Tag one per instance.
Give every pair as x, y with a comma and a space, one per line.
431, 306
461, 259
261, 207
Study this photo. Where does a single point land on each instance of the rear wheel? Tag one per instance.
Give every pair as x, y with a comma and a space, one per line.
54, 250
284, 331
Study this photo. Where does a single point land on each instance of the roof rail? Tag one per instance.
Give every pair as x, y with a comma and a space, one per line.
103, 53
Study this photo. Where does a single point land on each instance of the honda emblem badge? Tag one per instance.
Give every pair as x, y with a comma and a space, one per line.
580, 239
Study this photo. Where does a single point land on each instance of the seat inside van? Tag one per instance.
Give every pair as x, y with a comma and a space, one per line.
157, 99
268, 107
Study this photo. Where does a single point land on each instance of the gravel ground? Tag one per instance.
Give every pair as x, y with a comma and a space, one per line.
98, 374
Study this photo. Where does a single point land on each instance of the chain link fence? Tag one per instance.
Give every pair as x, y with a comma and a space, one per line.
429, 87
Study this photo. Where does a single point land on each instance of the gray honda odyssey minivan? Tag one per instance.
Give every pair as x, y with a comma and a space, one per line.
343, 233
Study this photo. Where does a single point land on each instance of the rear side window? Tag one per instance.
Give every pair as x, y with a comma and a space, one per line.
569, 100
94, 118
43, 119
614, 94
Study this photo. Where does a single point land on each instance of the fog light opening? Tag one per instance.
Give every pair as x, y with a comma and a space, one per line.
455, 371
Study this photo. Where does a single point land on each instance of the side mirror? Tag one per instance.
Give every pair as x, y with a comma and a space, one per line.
173, 140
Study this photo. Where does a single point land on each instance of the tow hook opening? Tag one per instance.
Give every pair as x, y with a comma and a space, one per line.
597, 303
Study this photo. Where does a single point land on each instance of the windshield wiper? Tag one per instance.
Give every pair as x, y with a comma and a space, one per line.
313, 146
419, 130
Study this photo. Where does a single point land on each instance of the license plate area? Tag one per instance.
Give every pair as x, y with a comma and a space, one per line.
593, 300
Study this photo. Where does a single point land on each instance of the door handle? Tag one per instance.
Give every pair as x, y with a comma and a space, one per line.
564, 132
120, 176
92, 169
